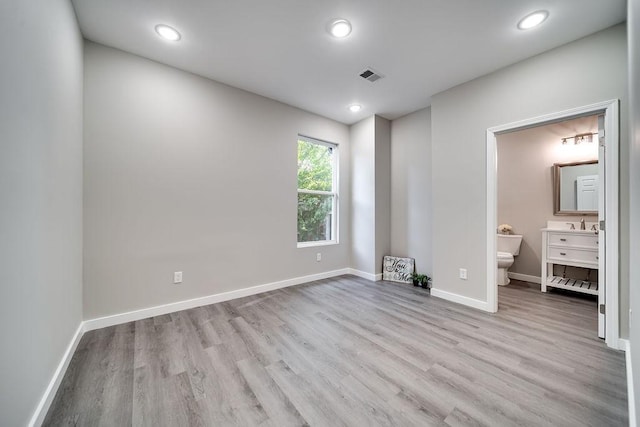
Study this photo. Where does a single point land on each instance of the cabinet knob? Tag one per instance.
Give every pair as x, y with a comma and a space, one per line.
563, 240
597, 257
563, 253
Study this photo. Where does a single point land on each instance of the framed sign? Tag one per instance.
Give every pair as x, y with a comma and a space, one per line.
397, 269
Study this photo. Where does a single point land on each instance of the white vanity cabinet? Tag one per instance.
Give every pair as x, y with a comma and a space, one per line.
577, 248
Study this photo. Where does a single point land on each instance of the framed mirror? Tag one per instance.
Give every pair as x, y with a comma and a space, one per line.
575, 188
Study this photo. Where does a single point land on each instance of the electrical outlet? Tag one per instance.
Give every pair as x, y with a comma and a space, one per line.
463, 273
318, 257
177, 277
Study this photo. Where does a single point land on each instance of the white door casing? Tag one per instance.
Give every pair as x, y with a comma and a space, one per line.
602, 247
608, 170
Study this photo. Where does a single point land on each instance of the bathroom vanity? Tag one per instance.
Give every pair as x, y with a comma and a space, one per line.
577, 248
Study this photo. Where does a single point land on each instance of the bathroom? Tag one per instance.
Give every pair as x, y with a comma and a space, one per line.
526, 195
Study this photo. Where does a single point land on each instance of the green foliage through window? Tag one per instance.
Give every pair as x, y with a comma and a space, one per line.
314, 223
316, 194
315, 171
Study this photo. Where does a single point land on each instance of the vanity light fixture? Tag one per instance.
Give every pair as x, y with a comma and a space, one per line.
533, 19
585, 137
340, 28
354, 108
577, 139
168, 33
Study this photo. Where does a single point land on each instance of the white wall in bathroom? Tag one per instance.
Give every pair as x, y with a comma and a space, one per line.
525, 182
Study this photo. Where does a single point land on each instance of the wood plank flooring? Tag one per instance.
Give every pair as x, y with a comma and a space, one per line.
349, 352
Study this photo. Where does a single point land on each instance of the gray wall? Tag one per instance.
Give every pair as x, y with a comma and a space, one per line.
186, 174
363, 195
634, 164
460, 117
41, 188
525, 182
382, 190
371, 193
411, 188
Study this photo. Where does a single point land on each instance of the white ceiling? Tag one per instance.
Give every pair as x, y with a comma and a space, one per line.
281, 48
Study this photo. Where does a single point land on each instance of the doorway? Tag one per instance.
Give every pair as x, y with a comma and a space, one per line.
608, 229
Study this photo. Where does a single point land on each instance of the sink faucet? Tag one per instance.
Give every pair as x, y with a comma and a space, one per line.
582, 227
572, 227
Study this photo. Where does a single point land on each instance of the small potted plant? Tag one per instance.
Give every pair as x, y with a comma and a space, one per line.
421, 280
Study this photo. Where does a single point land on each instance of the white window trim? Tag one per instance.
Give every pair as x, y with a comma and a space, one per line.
318, 243
334, 194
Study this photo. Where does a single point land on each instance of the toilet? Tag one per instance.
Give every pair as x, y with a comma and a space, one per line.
508, 247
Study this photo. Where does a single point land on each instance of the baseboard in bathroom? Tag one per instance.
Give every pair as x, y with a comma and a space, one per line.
524, 277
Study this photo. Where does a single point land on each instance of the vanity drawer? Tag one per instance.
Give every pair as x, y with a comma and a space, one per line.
565, 255
573, 240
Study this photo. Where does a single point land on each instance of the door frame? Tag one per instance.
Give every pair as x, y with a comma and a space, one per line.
611, 126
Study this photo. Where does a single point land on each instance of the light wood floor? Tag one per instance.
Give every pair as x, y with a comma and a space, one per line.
349, 352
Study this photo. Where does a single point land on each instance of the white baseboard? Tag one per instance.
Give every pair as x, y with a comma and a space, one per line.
481, 305
116, 319
45, 402
624, 345
368, 276
524, 277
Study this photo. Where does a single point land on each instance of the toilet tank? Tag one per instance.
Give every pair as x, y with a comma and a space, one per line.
509, 243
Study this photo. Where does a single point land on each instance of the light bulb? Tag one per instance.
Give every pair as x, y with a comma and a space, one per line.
340, 28
533, 20
168, 33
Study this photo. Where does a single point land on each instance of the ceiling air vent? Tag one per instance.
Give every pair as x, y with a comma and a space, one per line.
370, 75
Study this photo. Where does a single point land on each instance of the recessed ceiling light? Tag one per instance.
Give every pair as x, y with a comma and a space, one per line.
340, 28
168, 33
533, 19
354, 108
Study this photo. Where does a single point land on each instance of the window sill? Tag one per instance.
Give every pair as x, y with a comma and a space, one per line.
319, 243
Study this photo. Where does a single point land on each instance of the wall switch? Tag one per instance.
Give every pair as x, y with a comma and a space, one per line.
177, 277
318, 257
463, 273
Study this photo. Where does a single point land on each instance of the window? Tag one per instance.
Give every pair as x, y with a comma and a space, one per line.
317, 192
